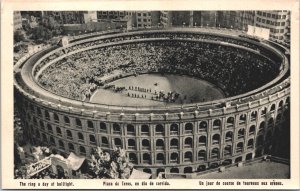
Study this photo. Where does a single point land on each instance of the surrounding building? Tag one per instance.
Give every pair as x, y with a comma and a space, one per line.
17, 20
276, 21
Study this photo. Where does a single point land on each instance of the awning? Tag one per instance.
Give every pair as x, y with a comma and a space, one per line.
75, 161
136, 174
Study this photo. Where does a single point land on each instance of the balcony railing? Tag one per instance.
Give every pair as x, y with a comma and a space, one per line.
132, 147
104, 145
146, 147
174, 147
160, 147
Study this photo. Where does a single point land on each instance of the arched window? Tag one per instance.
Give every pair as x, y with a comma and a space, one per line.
116, 128
216, 139
215, 154
188, 156
90, 125
239, 147
217, 124
263, 111
160, 144
159, 129
71, 147
272, 108
103, 127
202, 141
78, 123
38, 135
174, 129
253, 115
241, 133
202, 155
118, 142
145, 130
80, 137
243, 118
92, 140
228, 136
56, 118
188, 142
146, 158
160, 158
230, 122
39, 112
174, 158
227, 150
67, 120
280, 105
132, 158
131, 144
69, 135
174, 144
145, 144
260, 140
61, 145
42, 126
58, 131
252, 130
34, 121
52, 141
49, 127
269, 136
82, 150
47, 115
188, 128
44, 138
250, 144
271, 122
262, 127
278, 117
104, 142
130, 129
202, 126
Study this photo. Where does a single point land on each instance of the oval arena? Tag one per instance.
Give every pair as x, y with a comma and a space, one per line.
55, 89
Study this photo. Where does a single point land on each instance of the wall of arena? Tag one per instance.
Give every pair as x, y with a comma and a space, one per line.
181, 139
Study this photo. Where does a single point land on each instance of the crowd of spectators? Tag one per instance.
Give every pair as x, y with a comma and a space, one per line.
233, 70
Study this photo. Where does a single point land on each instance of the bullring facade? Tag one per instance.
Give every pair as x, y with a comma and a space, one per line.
177, 138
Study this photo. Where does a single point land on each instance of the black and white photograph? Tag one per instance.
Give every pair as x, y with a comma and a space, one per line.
152, 94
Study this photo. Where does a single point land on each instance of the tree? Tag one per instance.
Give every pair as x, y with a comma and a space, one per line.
115, 166
41, 33
18, 36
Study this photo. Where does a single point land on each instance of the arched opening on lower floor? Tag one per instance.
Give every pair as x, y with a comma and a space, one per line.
133, 158
147, 170
159, 170
213, 165
227, 162
188, 169
201, 168
249, 156
174, 170
258, 153
238, 159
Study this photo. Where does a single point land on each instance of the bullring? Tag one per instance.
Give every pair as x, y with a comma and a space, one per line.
176, 138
